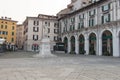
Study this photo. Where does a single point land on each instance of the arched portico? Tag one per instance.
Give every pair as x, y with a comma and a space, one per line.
107, 43
81, 44
92, 44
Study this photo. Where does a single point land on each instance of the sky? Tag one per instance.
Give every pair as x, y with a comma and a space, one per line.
19, 9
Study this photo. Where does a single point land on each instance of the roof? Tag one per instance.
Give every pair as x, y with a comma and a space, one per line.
8, 20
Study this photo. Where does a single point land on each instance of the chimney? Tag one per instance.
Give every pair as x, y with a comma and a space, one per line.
5, 17
2, 17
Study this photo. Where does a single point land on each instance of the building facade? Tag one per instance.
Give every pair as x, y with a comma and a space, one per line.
34, 31
8, 30
93, 29
20, 36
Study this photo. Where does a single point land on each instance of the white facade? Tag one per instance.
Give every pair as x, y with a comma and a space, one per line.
34, 31
93, 29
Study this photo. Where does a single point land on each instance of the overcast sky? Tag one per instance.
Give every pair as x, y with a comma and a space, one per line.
19, 9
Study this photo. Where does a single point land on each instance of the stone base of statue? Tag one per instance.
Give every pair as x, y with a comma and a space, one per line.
45, 49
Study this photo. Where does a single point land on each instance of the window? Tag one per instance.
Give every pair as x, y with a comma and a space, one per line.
35, 29
3, 32
80, 25
5, 26
55, 30
92, 13
12, 27
105, 18
12, 40
55, 38
55, 24
12, 33
91, 22
48, 30
106, 7
1, 26
35, 22
81, 16
35, 37
73, 20
6, 33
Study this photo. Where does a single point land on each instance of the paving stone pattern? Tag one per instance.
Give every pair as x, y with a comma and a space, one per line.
22, 66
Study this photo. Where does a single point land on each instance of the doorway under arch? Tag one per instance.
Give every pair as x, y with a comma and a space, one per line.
66, 44
107, 43
81, 44
92, 44
72, 44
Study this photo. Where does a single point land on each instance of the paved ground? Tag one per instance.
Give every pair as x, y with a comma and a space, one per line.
22, 66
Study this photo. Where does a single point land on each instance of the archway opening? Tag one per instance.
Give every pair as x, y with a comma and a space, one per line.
73, 44
81, 44
92, 44
66, 44
107, 43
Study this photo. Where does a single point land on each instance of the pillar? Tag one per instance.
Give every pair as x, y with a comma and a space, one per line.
116, 46
100, 46
86, 45
76, 45
69, 45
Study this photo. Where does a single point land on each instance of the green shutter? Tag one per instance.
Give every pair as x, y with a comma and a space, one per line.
102, 8
92, 22
73, 27
94, 11
78, 25
83, 16
89, 22
102, 20
109, 18
89, 13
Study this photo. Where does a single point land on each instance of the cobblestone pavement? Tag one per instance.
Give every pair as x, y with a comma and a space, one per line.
22, 66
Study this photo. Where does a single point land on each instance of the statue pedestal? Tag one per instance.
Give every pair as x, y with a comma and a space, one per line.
45, 48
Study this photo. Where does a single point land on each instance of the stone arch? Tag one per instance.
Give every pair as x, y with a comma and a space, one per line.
81, 44
100, 35
107, 43
92, 43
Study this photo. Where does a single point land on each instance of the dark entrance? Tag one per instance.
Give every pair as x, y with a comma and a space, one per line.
66, 44
92, 44
107, 45
72, 44
81, 44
